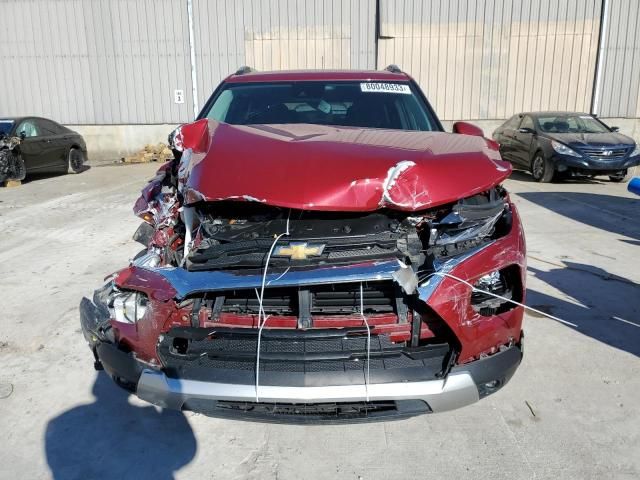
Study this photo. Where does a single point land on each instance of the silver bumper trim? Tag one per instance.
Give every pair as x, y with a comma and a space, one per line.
186, 283
456, 391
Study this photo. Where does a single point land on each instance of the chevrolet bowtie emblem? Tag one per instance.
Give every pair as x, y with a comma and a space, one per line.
299, 250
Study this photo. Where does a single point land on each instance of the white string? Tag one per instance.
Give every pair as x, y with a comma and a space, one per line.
262, 319
276, 279
475, 289
366, 380
258, 356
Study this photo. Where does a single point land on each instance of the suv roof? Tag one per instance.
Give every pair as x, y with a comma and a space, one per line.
331, 75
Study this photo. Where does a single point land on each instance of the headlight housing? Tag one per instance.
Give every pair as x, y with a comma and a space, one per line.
128, 307
562, 149
636, 151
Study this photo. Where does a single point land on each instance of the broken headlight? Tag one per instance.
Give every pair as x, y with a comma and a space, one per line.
485, 299
128, 307
149, 259
497, 291
470, 223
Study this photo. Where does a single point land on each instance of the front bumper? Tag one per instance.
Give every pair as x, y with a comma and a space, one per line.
464, 385
600, 166
395, 388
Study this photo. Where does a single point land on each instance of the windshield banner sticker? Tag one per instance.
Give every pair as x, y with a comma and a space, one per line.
385, 88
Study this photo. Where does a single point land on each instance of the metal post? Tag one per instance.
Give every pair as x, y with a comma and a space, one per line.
192, 50
602, 40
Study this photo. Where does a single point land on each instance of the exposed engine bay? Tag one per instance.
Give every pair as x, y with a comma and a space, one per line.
238, 234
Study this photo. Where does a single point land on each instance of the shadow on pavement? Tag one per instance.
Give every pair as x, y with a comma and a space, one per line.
619, 215
110, 438
610, 305
34, 177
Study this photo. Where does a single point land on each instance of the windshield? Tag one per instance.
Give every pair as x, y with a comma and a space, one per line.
571, 124
5, 126
356, 104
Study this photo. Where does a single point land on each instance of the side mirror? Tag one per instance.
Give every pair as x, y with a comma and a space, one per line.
526, 130
172, 136
614, 129
23, 135
196, 135
465, 128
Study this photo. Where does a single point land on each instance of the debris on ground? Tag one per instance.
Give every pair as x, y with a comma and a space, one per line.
6, 389
530, 408
150, 153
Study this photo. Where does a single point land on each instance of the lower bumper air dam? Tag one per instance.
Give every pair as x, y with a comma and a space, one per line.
465, 385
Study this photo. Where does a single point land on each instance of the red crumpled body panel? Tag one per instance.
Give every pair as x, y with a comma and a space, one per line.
316, 167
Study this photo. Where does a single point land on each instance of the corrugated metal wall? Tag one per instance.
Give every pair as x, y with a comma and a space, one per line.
281, 34
621, 61
119, 61
489, 59
95, 62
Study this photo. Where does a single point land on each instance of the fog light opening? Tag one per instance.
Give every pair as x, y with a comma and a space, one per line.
488, 388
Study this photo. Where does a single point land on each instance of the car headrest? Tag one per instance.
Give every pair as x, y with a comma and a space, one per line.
364, 113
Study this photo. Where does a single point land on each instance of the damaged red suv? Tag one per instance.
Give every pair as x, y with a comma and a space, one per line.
321, 250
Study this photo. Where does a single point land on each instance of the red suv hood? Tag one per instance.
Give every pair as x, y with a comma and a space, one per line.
315, 167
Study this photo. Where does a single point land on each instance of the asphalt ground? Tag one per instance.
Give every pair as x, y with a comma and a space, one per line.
572, 411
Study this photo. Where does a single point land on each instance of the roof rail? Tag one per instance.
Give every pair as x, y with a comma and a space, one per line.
393, 68
244, 69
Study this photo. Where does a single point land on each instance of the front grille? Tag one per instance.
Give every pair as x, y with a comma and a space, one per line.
603, 153
336, 299
253, 253
203, 352
276, 301
345, 298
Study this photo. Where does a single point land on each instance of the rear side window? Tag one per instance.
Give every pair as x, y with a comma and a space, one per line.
513, 123
527, 122
357, 104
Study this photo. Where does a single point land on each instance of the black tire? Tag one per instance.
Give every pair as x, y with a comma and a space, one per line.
624, 177
19, 168
542, 169
75, 160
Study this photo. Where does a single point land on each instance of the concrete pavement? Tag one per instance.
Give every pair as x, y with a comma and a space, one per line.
571, 411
